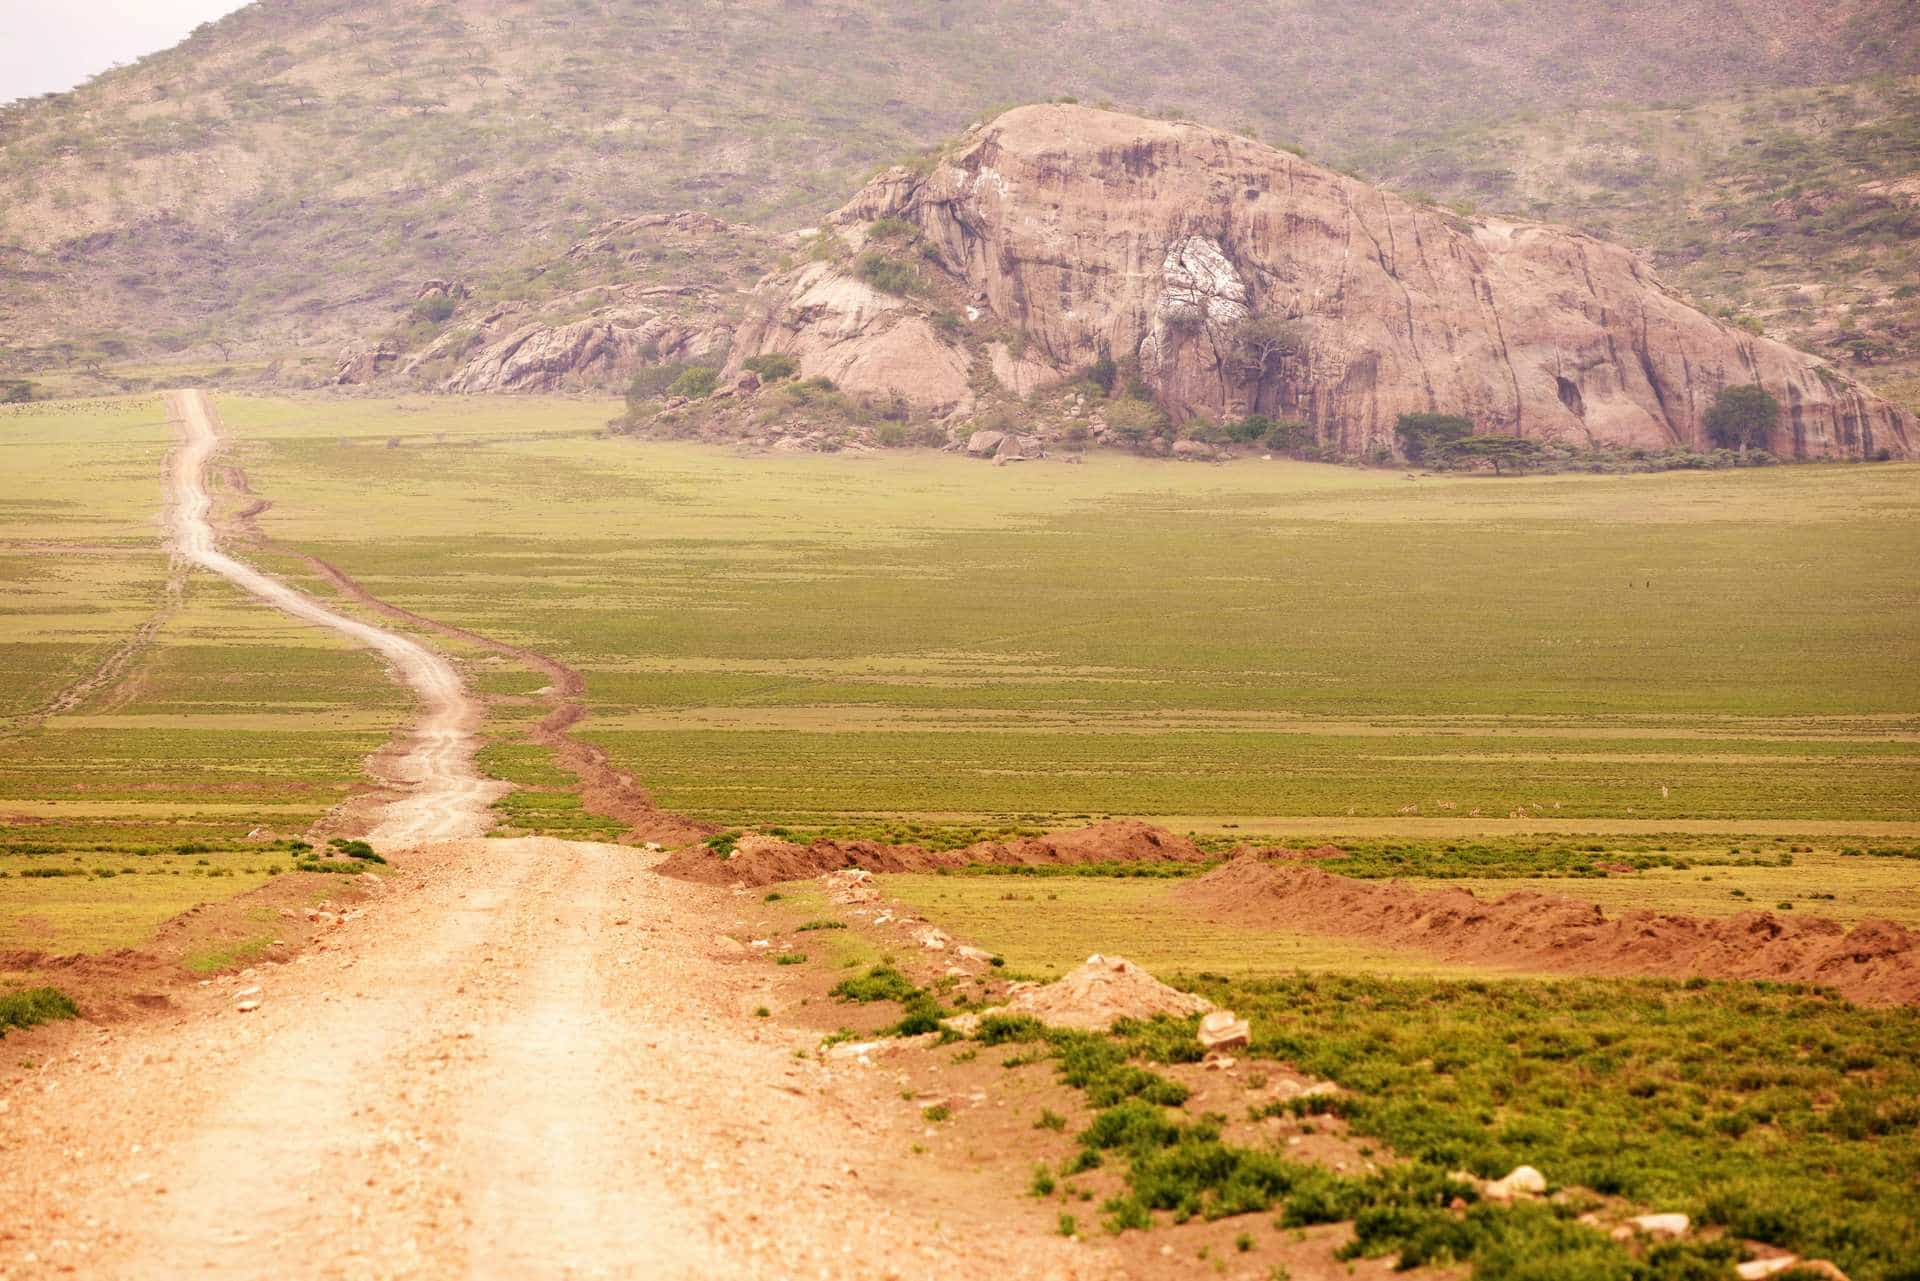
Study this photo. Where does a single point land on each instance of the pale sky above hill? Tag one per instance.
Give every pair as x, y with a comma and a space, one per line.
51, 45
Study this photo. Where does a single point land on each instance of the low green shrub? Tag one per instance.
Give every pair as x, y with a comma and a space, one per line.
888, 275
881, 983
694, 382
34, 1005
771, 367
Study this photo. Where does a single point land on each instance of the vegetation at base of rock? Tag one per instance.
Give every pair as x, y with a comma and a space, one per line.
34, 1005
772, 367
1742, 417
694, 381
1779, 1114
1420, 433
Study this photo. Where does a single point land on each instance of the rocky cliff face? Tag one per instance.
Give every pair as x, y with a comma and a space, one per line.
1242, 280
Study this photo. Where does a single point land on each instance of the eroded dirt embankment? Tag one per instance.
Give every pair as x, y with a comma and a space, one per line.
760, 860
1876, 962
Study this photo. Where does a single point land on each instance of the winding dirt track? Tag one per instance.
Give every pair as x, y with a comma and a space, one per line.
446, 796
524, 1059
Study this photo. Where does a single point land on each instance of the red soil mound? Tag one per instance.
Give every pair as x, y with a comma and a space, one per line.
1875, 963
762, 861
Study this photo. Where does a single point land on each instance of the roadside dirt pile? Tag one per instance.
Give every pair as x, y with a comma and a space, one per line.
1874, 963
1098, 993
758, 860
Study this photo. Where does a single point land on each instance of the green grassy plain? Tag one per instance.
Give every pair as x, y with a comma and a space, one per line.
1766, 1112
1045, 927
97, 901
865, 644
224, 717
850, 639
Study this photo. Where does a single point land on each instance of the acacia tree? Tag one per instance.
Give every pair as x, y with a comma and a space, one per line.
1742, 417
1423, 434
1502, 451
1262, 345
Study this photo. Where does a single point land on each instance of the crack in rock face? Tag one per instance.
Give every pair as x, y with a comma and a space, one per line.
1199, 292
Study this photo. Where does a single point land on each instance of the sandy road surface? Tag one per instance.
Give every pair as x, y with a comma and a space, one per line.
524, 1059
522, 1063
446, 797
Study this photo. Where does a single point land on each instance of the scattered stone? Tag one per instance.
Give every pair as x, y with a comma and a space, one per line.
1758, 1269
1096, 994
1661, 1225
1221, 1030
890, 1045
246, 1007
1524, 1181
1219, 1063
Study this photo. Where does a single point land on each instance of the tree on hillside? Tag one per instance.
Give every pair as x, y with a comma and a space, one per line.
1261, 346
1742, 417
1424, 434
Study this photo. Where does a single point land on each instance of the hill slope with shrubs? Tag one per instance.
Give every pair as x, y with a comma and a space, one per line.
291, 175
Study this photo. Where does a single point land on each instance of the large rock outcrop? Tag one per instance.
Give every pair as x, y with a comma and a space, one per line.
599, 352
1096, 235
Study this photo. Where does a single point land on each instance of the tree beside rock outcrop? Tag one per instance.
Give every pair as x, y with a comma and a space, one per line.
1742, 417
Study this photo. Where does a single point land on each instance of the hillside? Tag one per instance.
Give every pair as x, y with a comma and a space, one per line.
290, 176
1796, 210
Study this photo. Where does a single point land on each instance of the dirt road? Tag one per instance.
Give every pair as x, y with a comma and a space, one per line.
446, 797
523, 1059
524, 1062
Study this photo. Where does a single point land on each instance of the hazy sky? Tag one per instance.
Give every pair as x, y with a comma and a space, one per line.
50, 45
